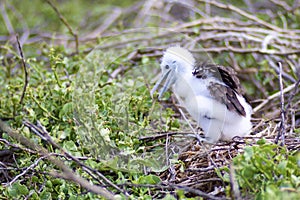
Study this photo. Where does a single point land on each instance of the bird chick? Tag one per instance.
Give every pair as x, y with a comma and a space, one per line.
210, 93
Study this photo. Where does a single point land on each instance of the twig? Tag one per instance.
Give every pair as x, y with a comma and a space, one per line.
170, 186
183, 115
6, 19
189, 5
281, 131
277, 94
171, 168
27, 169
293, 120
246, 51
42, 132
160, 136
15, 146
142, 15
296, 5
250, 30
195, 191
282, 4
115, 14
229, 34
233, 183
84, 183
21, 20
243, 13
206, 169
65, 22
26, 78
289, 103
60, 164
275, 67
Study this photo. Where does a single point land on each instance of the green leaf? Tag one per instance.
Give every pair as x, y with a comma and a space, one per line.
282, 167
295, 180
70, 146
169, 197
248, 154
49, 184
66, 110
17, 189
45, 195
149, 179
266, 168
145, 59
261, 141
34, 195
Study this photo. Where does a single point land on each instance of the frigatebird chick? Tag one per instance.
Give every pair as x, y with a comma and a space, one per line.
210, 93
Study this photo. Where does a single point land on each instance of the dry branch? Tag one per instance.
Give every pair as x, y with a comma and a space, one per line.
281, 132
244, 14
43, 134
245, 51
66, 170
200, 164
6, 19
276, 95
240, 39
26, 75
115, 14
65, 22
234, 184
33, 165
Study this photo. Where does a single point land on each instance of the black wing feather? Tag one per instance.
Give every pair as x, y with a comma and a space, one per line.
225, 93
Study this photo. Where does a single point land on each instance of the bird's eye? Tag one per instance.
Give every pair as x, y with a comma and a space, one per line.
174, 61
167, 66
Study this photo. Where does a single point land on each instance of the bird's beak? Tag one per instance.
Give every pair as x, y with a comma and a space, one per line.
168, 79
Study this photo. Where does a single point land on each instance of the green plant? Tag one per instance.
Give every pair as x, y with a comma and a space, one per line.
268, 171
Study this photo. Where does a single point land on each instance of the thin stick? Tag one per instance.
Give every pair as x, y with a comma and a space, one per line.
246, 51
27, 169
183, 115
281, 131
116, 13
275, 67
65, 22
243, 13
67, 171
277, 94
6, 19
289, 103
42, 132
26, 78
233, 183
171, 169
195, 191
282, 4
159, 135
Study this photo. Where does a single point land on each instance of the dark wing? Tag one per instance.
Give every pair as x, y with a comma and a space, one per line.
228, 76
227, 96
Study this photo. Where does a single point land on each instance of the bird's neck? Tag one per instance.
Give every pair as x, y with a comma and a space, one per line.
182, 86
188, 86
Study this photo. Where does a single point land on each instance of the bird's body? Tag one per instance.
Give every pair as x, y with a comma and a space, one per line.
210, 93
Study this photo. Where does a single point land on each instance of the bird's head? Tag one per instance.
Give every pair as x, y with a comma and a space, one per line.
175, 62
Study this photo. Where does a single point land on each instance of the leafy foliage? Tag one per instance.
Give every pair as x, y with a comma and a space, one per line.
267, 171
95, 103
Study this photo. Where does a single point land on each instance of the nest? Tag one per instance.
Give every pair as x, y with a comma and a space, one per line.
199, 163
